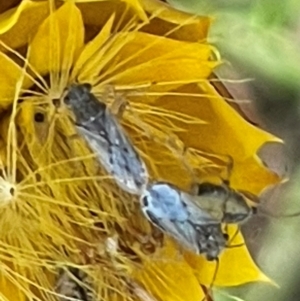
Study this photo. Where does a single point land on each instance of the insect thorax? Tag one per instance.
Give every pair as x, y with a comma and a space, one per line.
84, 104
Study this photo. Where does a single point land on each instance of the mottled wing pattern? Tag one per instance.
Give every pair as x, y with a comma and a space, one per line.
73, 284
105, 136
193, 228
119, 159
182, 231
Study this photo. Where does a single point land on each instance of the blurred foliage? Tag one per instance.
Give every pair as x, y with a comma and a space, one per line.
261, 41
253, 30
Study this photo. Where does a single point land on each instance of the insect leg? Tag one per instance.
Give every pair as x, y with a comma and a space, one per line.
226, 235
118, 101
229, 246
118, 106
229, 168
208, 290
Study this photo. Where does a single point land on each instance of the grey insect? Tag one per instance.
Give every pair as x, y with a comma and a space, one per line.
105, 136
176, 214
73, 284
194, 220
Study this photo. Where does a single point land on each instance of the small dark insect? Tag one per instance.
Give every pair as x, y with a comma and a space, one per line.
73, 284
105, 136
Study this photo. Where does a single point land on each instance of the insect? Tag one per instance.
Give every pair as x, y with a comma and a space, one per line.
195, 220
105, 136
175, 213
73, 283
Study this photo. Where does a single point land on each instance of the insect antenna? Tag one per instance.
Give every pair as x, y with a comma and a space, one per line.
288, 215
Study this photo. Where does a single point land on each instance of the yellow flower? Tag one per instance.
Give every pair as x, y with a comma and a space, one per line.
58, 206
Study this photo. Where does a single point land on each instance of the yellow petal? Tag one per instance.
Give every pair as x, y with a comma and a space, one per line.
18, 25
164, 20
36, 133
91, 56
10, 291
9, 4
94, 20
245, 173
53, 49
225, 133
135, 4
236, 266
143, 58
174, 23
168, 277
10, 74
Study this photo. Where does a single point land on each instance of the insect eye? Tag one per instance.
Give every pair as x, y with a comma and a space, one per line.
86, 87
66, 100
254, 210
226, 236
39, 117
145, 201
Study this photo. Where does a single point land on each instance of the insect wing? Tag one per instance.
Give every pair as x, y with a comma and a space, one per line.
98, 126
163, 206
115, 152
201, 209
127, 162
183, 232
